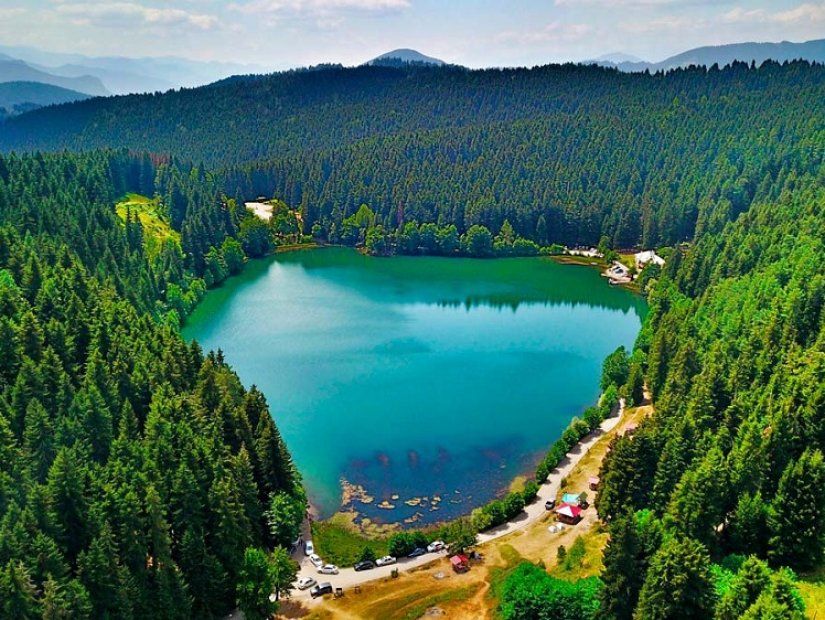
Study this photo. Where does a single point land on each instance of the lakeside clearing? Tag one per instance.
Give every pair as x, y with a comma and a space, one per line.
426, 583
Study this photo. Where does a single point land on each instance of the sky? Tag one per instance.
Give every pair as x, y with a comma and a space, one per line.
477, 33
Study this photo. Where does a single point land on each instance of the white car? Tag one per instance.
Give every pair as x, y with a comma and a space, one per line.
316, 560
306, 582
385, 561
436, 545
328, 569
309, 548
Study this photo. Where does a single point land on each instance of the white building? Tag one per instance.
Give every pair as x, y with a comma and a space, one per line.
648, 256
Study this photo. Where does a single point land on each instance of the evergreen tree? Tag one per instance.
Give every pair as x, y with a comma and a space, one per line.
677, 584
622, 575
796, 518
256, 582
753, 578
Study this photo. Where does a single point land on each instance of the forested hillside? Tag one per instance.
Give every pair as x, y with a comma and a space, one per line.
134, 469
732, 462
564, 153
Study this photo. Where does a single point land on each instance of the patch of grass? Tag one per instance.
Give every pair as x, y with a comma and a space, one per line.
498, 574
517, 485
422, 605
156, 229
812, 589
584, 557
340, 542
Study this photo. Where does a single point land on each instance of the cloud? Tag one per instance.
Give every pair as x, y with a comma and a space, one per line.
637, 3
323, 7
553, 32
804, 14
129, 13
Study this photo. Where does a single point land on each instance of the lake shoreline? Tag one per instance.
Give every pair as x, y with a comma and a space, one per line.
466, 286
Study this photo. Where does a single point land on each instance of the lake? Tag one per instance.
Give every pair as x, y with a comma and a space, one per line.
414, 389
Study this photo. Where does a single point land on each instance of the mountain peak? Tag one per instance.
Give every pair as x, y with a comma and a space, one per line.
405, 56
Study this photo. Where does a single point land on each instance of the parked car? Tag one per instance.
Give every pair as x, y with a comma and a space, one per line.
385, 561
316, 560
417, 552
328, 569
306, 582
321, 589
550, 504
309, 548
436, 545
365, 565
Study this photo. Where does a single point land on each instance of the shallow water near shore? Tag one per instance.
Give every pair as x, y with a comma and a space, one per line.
416, 387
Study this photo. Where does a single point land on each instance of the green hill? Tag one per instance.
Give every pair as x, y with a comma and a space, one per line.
20, 97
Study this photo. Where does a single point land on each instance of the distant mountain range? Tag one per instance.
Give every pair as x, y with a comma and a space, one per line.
113, 75
14, 70
100, 76
405, 56
813, 51
20, 97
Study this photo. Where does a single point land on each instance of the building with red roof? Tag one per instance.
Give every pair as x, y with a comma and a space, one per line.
460, 562
569, 513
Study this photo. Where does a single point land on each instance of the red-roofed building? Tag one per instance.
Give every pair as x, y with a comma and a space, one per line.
460, 562
569, 514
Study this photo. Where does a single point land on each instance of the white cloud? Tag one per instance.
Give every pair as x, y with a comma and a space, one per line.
804, 14
553, 32
635, 3
120, 13
323, 7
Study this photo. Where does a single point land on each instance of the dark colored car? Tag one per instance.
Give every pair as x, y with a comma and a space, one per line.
365, 565
417, 552
550, 504
321, 589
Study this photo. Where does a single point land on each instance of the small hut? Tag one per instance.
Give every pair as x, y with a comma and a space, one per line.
460, 563
569, 514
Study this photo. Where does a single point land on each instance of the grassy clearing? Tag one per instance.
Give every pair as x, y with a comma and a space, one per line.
812, 588
498, 574
340, 542
156, 230
415, 604
584, 557
453, 596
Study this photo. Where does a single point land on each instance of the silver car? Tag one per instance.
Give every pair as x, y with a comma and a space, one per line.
306, 582
385, 561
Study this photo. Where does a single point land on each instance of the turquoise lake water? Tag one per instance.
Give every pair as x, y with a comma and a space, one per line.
417, 377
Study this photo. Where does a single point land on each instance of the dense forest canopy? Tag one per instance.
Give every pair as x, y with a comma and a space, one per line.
566, 154
134, 469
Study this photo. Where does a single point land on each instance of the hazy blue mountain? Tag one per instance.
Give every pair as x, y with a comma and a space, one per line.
747, 52
19, 97
122, 75
617, 57
405, 56
19, 71
813, 51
